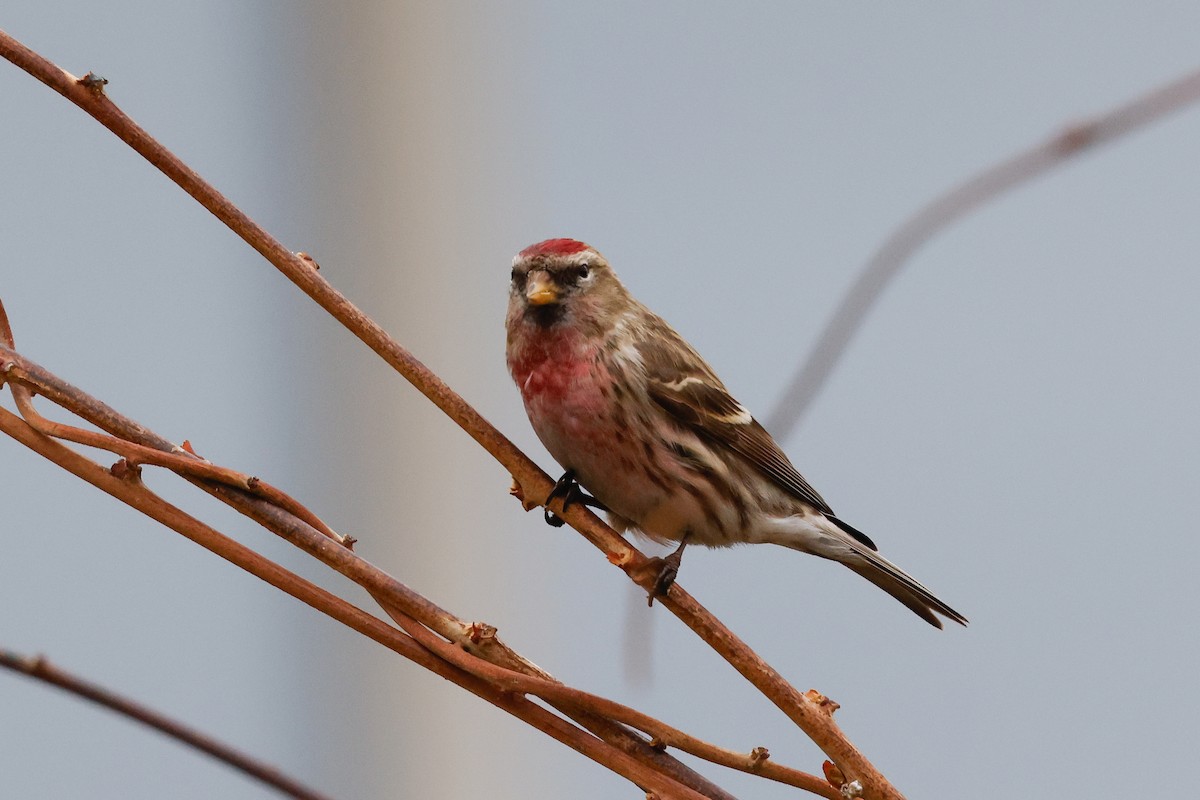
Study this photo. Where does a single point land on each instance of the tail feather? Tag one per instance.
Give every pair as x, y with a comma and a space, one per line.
903, 587
863, 559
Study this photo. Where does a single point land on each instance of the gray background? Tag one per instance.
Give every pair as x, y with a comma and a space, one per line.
1016, 425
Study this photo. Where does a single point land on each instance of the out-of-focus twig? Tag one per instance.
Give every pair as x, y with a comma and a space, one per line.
894, 253
39, 668
535, 485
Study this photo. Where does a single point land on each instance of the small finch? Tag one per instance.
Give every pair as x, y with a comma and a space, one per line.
637, 417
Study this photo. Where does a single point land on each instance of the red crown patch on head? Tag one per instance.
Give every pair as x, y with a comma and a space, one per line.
553, 247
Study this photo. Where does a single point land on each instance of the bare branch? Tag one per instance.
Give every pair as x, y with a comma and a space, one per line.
39, 668
135, 494
894, 253
178, 459
397, 599
755, 762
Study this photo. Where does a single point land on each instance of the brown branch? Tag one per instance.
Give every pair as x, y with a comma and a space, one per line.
756, 762
88, 94
178, 459
145, 447
947, 208
393, 596
135, 494
397, 599
39, 668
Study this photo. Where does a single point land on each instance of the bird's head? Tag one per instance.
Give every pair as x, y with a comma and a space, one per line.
563, 280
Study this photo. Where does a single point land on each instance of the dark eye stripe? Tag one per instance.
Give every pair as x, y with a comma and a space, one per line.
576, 273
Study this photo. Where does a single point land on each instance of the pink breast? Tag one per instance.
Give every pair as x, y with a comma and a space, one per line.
560, 382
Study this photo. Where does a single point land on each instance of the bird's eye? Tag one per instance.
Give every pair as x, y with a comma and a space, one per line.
518, 277
582, 271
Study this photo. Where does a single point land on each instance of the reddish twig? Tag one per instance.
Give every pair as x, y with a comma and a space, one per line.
178, 460
960, 200
150, 450
755, 762
38, 667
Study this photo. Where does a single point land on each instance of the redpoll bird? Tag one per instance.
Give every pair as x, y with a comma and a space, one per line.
634, 414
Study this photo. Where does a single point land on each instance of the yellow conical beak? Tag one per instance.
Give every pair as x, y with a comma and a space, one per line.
539, 289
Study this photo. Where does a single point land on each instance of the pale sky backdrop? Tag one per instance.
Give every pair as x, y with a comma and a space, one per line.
1016, 426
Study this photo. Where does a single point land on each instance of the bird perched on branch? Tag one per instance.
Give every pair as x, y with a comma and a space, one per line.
637, 417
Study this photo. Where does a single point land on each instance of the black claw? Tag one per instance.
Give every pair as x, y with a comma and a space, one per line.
562, 488
568, 490
590, 501
668, 570
662, 584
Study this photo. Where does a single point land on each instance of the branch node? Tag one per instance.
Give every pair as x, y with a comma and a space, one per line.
658, 745
94, 82
758, 756
348, 542
822, 702
852, 789
833, 774
307, 259
126, 470
477, 632
518, 491
619, 559
252, 483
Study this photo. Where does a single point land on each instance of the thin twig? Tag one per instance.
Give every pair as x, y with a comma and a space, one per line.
755, 763
151, 450
178, 459
41, 669
894, 253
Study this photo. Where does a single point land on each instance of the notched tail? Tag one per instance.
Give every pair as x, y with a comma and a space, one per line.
864, 559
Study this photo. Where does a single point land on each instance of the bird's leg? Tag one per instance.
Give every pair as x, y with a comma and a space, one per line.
568, 489
668, 569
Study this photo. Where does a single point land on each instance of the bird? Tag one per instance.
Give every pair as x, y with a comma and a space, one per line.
638, 419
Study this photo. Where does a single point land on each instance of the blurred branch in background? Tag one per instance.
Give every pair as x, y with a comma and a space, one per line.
613, 745
39, 668
894, 253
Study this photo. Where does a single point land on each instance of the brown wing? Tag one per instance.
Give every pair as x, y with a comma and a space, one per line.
688, 389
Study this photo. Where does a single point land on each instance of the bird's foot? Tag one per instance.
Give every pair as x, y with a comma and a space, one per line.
567, 489
668, 570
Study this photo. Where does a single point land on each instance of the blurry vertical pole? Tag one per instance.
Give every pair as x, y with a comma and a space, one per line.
399, 124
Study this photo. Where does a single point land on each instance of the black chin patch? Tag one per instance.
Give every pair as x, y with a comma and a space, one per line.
546, 315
